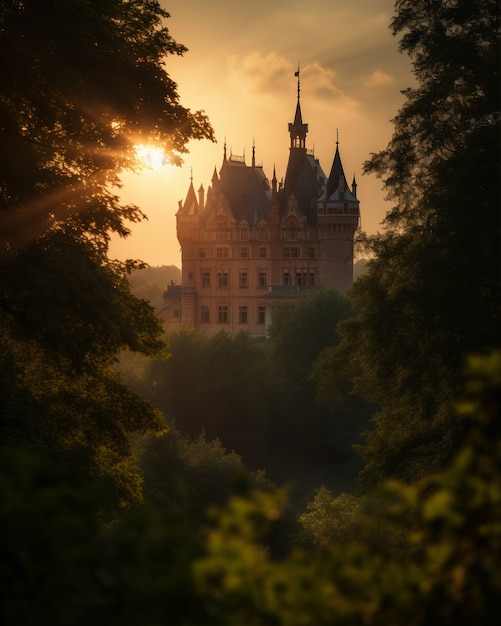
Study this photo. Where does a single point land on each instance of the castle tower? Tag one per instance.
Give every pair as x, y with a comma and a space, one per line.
295, 190
180, 299
338, 216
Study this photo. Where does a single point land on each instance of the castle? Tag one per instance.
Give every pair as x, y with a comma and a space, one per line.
249, 244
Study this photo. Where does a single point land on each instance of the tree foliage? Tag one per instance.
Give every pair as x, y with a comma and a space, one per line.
81, 83
222, 385
432, 293
328, 420
449, 521
63, 565
191, 475
153, 565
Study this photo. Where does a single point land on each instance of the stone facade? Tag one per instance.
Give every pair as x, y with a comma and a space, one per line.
249, 244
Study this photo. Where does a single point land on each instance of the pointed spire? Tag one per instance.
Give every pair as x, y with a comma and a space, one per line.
354, 186
215, 178
253, 152
297, 129
190, 205
337, 179
224, 151
274, 179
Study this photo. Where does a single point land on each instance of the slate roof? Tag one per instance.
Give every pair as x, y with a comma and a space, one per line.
306, 180
336, 175
246, 189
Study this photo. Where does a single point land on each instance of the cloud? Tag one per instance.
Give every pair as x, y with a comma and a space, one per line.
379, 79
262, 73
273, 74
321, 82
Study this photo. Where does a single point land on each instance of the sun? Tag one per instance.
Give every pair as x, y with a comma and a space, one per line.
151, 156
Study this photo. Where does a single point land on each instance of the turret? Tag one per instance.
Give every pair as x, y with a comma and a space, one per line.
338, 211
190, 206
337, 179
297, 129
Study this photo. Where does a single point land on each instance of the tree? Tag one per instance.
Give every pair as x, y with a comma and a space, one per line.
192, 475
299, 336
222, 385
301, 331
62, 565
449, 523
81, 83
432, 293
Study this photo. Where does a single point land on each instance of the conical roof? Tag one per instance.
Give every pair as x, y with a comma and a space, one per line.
190, 205
336, 176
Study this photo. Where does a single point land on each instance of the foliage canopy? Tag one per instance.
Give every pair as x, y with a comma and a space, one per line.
81, 83
432, 294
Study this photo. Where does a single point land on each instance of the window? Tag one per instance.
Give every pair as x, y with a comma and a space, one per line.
261, 278
244, 253
242, 314
300, 279
261, 315
222, 253
222, 314
291, 252
311, 253
204, 315
190, 275
286, 278
205, 279
311, 279
262, 252
263, 233
202, 253
222, 279
244, 234
243, 279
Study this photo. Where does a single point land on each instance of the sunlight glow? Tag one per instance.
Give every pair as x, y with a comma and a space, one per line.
151, 156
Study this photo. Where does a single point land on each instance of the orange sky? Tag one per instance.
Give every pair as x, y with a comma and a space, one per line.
240, 71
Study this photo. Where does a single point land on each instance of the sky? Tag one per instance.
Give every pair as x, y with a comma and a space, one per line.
239, 69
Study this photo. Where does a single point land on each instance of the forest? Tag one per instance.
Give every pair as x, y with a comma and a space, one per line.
344, 471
